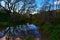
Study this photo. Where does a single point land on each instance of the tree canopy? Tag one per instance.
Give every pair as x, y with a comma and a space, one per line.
20, 6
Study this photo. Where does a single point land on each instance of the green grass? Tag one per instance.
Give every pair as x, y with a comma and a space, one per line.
53, 30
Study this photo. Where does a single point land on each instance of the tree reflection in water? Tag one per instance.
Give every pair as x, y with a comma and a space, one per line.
20, 31
15, 32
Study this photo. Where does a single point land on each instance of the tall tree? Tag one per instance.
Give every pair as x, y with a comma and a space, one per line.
46, 5
15, 5
28, 6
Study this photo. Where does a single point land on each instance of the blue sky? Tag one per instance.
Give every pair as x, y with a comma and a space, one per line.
41, 2
38, 2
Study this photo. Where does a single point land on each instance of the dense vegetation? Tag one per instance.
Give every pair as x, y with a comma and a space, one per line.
48, 22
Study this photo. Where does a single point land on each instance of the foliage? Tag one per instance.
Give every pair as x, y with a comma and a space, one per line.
49, 29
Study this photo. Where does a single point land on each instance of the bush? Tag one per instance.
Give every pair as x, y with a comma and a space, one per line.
53, 30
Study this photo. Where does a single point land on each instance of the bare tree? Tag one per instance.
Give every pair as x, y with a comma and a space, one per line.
46, 5
15, 5
9, 4
28, 6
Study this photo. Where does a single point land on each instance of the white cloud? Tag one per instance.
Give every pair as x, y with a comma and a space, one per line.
57, 2
34, 13
2, 3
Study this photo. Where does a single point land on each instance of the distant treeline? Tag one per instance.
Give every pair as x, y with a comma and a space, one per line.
8, 18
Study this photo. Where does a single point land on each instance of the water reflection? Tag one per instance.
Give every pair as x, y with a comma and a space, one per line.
20, 31
12, 32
